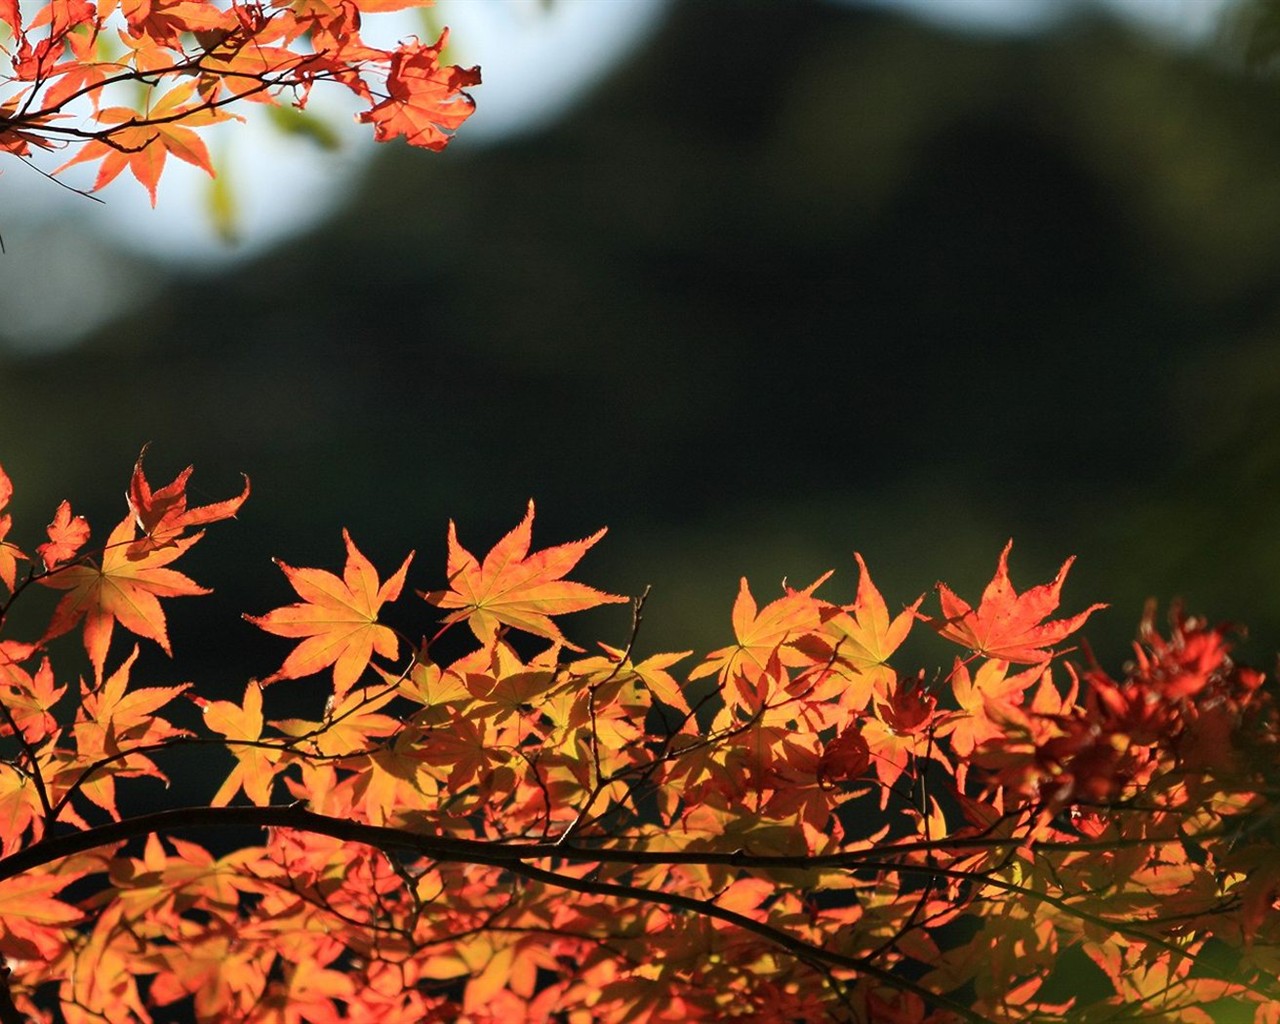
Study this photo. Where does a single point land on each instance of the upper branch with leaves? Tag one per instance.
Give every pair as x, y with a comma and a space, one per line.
127, 83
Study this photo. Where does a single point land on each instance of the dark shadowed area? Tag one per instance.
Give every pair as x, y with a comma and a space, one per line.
797, 280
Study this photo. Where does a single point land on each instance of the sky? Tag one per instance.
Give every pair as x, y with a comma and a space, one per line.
537, 59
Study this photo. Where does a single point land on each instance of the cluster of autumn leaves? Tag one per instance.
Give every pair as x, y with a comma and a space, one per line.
787, 830
175, 67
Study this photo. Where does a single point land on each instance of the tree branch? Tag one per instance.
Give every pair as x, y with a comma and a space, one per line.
514, 857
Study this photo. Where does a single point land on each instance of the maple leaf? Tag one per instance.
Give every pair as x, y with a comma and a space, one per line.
165, 20
425, 101
349, 727
27, 908
163, 514
75, 80
866, 627
121, 589
901, 731
846, 756
141, 140
253, 770
652, 672
863, 637
224, 974
12, 652
30, 697
762, 632
466, 743
115, 718
67, 535
20, 809
337, 619
988, 701
9, 554
74, 23
1006, 625
515, 588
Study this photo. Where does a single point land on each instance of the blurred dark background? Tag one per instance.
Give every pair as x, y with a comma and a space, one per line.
796, 279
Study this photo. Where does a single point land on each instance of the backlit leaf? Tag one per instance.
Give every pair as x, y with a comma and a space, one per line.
121, 589
1006, 625
337, 619
515, 588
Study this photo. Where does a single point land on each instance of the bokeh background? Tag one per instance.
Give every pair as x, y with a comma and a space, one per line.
755, 284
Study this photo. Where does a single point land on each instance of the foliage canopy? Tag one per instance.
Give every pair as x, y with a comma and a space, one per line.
795, 831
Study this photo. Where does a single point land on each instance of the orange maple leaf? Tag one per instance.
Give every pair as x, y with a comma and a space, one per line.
67, 535
9, 554
988, 701
338, 619
863, 637
121, 589
29, 698
163, 514
20, 809
1007, 625
652, 672
515, 588
166, 20
425, 101
115, 719
762, 633
254, 769
865, 625
30, 915
142, 139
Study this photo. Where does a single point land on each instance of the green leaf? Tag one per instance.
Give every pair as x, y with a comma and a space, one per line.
222, 206
292, 121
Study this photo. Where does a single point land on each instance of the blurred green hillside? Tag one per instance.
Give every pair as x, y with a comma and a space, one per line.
797, 280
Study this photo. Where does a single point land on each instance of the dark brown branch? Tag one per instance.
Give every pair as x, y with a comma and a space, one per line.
798, 947
514, 857
478, 851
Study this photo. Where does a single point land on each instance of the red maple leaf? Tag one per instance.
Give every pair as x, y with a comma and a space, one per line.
67, 534
1007, 625
425, 102
11, 16
163, 514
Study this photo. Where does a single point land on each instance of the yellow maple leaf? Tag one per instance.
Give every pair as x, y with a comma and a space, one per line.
515, 588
